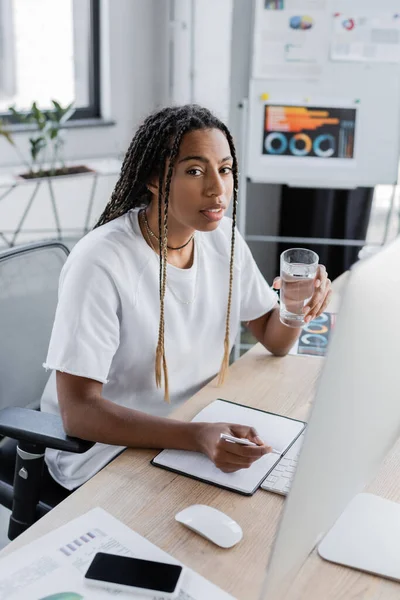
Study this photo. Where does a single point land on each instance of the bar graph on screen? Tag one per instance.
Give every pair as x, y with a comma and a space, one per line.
305, 131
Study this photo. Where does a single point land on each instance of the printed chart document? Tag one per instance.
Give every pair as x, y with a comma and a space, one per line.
314, 337
53, 566
366, 39
277, 431
289, 39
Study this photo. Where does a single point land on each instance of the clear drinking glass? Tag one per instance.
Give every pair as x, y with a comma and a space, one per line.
298, 270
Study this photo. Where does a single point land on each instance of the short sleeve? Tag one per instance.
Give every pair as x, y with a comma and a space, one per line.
85, 333
257, 298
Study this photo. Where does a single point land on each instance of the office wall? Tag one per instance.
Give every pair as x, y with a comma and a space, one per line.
200, 61
212, 50
263, 201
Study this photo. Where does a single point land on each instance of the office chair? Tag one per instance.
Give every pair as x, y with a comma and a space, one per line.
28, 299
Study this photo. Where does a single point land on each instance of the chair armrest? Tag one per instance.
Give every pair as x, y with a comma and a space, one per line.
38, 427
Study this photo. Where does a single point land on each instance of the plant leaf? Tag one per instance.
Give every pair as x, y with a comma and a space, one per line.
19, 116
53, 132
67, 115
5, 133
69, 106
63, 114
51, 116
14, 111
57, 106
39, 117
37, 144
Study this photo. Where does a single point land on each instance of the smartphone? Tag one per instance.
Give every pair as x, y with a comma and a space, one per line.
156, 579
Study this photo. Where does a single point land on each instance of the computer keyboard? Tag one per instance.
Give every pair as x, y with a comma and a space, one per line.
280, 479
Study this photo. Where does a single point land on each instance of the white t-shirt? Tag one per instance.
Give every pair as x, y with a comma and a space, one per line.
106, 324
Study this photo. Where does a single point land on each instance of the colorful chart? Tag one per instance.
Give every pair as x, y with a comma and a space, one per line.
349, 24
314, 337
274, 5
303, 131
301, 22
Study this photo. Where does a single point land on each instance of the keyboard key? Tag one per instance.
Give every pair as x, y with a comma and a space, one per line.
280, 485
271, 479
279, 468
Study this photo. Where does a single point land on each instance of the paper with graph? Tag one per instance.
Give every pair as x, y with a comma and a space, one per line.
53, 566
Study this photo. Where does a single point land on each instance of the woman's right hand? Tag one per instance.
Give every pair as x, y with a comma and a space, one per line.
225, 455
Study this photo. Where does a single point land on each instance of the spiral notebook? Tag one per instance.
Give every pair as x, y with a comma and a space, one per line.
276, 430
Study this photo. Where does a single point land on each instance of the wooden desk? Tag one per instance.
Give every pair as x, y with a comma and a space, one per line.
146, 498
320, 580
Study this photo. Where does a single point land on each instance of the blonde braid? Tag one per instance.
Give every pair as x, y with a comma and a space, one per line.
161, 361
225, 360
164, 238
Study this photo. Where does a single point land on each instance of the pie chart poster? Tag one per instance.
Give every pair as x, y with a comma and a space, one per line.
307, 131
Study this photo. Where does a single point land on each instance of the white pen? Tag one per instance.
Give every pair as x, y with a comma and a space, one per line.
245, 442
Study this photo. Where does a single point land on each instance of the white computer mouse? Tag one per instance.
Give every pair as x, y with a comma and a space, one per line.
212, 524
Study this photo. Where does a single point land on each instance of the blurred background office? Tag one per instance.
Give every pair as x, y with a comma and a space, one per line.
78, 76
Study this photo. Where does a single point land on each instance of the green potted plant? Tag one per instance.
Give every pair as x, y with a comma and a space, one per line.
47, 141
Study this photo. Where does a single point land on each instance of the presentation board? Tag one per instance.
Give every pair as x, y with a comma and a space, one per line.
324, 100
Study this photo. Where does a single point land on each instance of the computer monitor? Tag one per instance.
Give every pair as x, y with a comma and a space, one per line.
355, 418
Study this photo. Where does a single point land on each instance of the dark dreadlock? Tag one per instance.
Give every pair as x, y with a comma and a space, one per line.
158, 140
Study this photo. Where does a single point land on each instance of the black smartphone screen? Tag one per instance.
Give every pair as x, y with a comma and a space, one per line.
136, 572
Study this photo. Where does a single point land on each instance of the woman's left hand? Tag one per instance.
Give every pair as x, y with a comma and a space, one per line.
320, 298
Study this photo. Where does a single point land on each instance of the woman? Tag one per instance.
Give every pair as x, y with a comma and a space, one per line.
161, 283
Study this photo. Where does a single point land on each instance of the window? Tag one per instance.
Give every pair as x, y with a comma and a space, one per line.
49, 49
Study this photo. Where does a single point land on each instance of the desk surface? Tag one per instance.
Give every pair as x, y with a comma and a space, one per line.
146, 498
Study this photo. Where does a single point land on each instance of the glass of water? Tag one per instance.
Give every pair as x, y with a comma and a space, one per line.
298, 270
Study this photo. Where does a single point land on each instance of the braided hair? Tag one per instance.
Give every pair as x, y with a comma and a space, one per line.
157, 140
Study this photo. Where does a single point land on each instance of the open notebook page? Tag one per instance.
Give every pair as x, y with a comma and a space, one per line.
277, 431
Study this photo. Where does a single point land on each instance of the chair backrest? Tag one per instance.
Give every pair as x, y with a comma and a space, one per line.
28, 299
